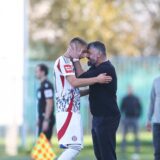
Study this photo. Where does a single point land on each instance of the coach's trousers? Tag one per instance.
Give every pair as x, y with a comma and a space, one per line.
104, 137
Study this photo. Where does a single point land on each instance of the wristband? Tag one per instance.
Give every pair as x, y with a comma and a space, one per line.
75, 59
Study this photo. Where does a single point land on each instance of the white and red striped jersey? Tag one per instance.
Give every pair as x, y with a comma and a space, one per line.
67, 97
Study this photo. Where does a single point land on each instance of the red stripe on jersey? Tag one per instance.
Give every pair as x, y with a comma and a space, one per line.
71, 104
65, 126
62, 80
58, 66
62, 131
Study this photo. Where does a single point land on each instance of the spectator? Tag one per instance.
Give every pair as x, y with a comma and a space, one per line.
131, 111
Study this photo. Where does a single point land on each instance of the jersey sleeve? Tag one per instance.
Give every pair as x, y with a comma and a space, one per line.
67, 69
48, 91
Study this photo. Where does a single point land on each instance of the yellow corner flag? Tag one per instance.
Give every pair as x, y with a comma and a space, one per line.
42, 149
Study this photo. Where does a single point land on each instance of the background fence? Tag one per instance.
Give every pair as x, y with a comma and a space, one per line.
138, 72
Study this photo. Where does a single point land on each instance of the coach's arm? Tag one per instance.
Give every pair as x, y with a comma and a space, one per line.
82, 82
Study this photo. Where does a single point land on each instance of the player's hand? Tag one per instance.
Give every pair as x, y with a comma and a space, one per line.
149, 126
103, 78
45, 126
74, 51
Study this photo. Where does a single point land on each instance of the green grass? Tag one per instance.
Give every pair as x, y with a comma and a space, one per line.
146, 152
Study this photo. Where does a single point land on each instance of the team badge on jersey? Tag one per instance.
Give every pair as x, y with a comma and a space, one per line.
68, 68
74, 138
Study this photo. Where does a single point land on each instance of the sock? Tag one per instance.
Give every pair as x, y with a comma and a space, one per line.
70, 153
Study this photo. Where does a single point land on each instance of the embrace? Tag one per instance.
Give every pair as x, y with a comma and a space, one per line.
102, 81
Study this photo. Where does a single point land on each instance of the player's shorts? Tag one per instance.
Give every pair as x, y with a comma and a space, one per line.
69, 129
49, 132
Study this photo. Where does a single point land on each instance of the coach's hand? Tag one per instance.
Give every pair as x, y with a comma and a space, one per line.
103, 78
45, 125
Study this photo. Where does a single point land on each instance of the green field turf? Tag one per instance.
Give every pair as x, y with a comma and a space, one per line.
146, 152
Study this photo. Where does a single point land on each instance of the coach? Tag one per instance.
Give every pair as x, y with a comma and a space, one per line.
103, 101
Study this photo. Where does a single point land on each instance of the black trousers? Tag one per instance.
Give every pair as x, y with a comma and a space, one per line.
48, 133
104, 137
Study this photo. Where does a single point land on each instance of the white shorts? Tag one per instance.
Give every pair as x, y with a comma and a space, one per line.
69, 128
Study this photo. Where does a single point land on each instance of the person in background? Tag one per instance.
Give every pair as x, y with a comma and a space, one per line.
154, 117
131, 111
46, 119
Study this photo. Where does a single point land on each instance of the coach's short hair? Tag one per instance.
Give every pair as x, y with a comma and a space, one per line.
98, 45
43, 68
78, 40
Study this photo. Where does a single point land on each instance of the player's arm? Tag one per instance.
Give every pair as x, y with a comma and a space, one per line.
78, 67
84, 92
67, 71
82, 82
75, 54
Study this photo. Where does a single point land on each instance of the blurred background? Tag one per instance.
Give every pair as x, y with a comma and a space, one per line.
38, 31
